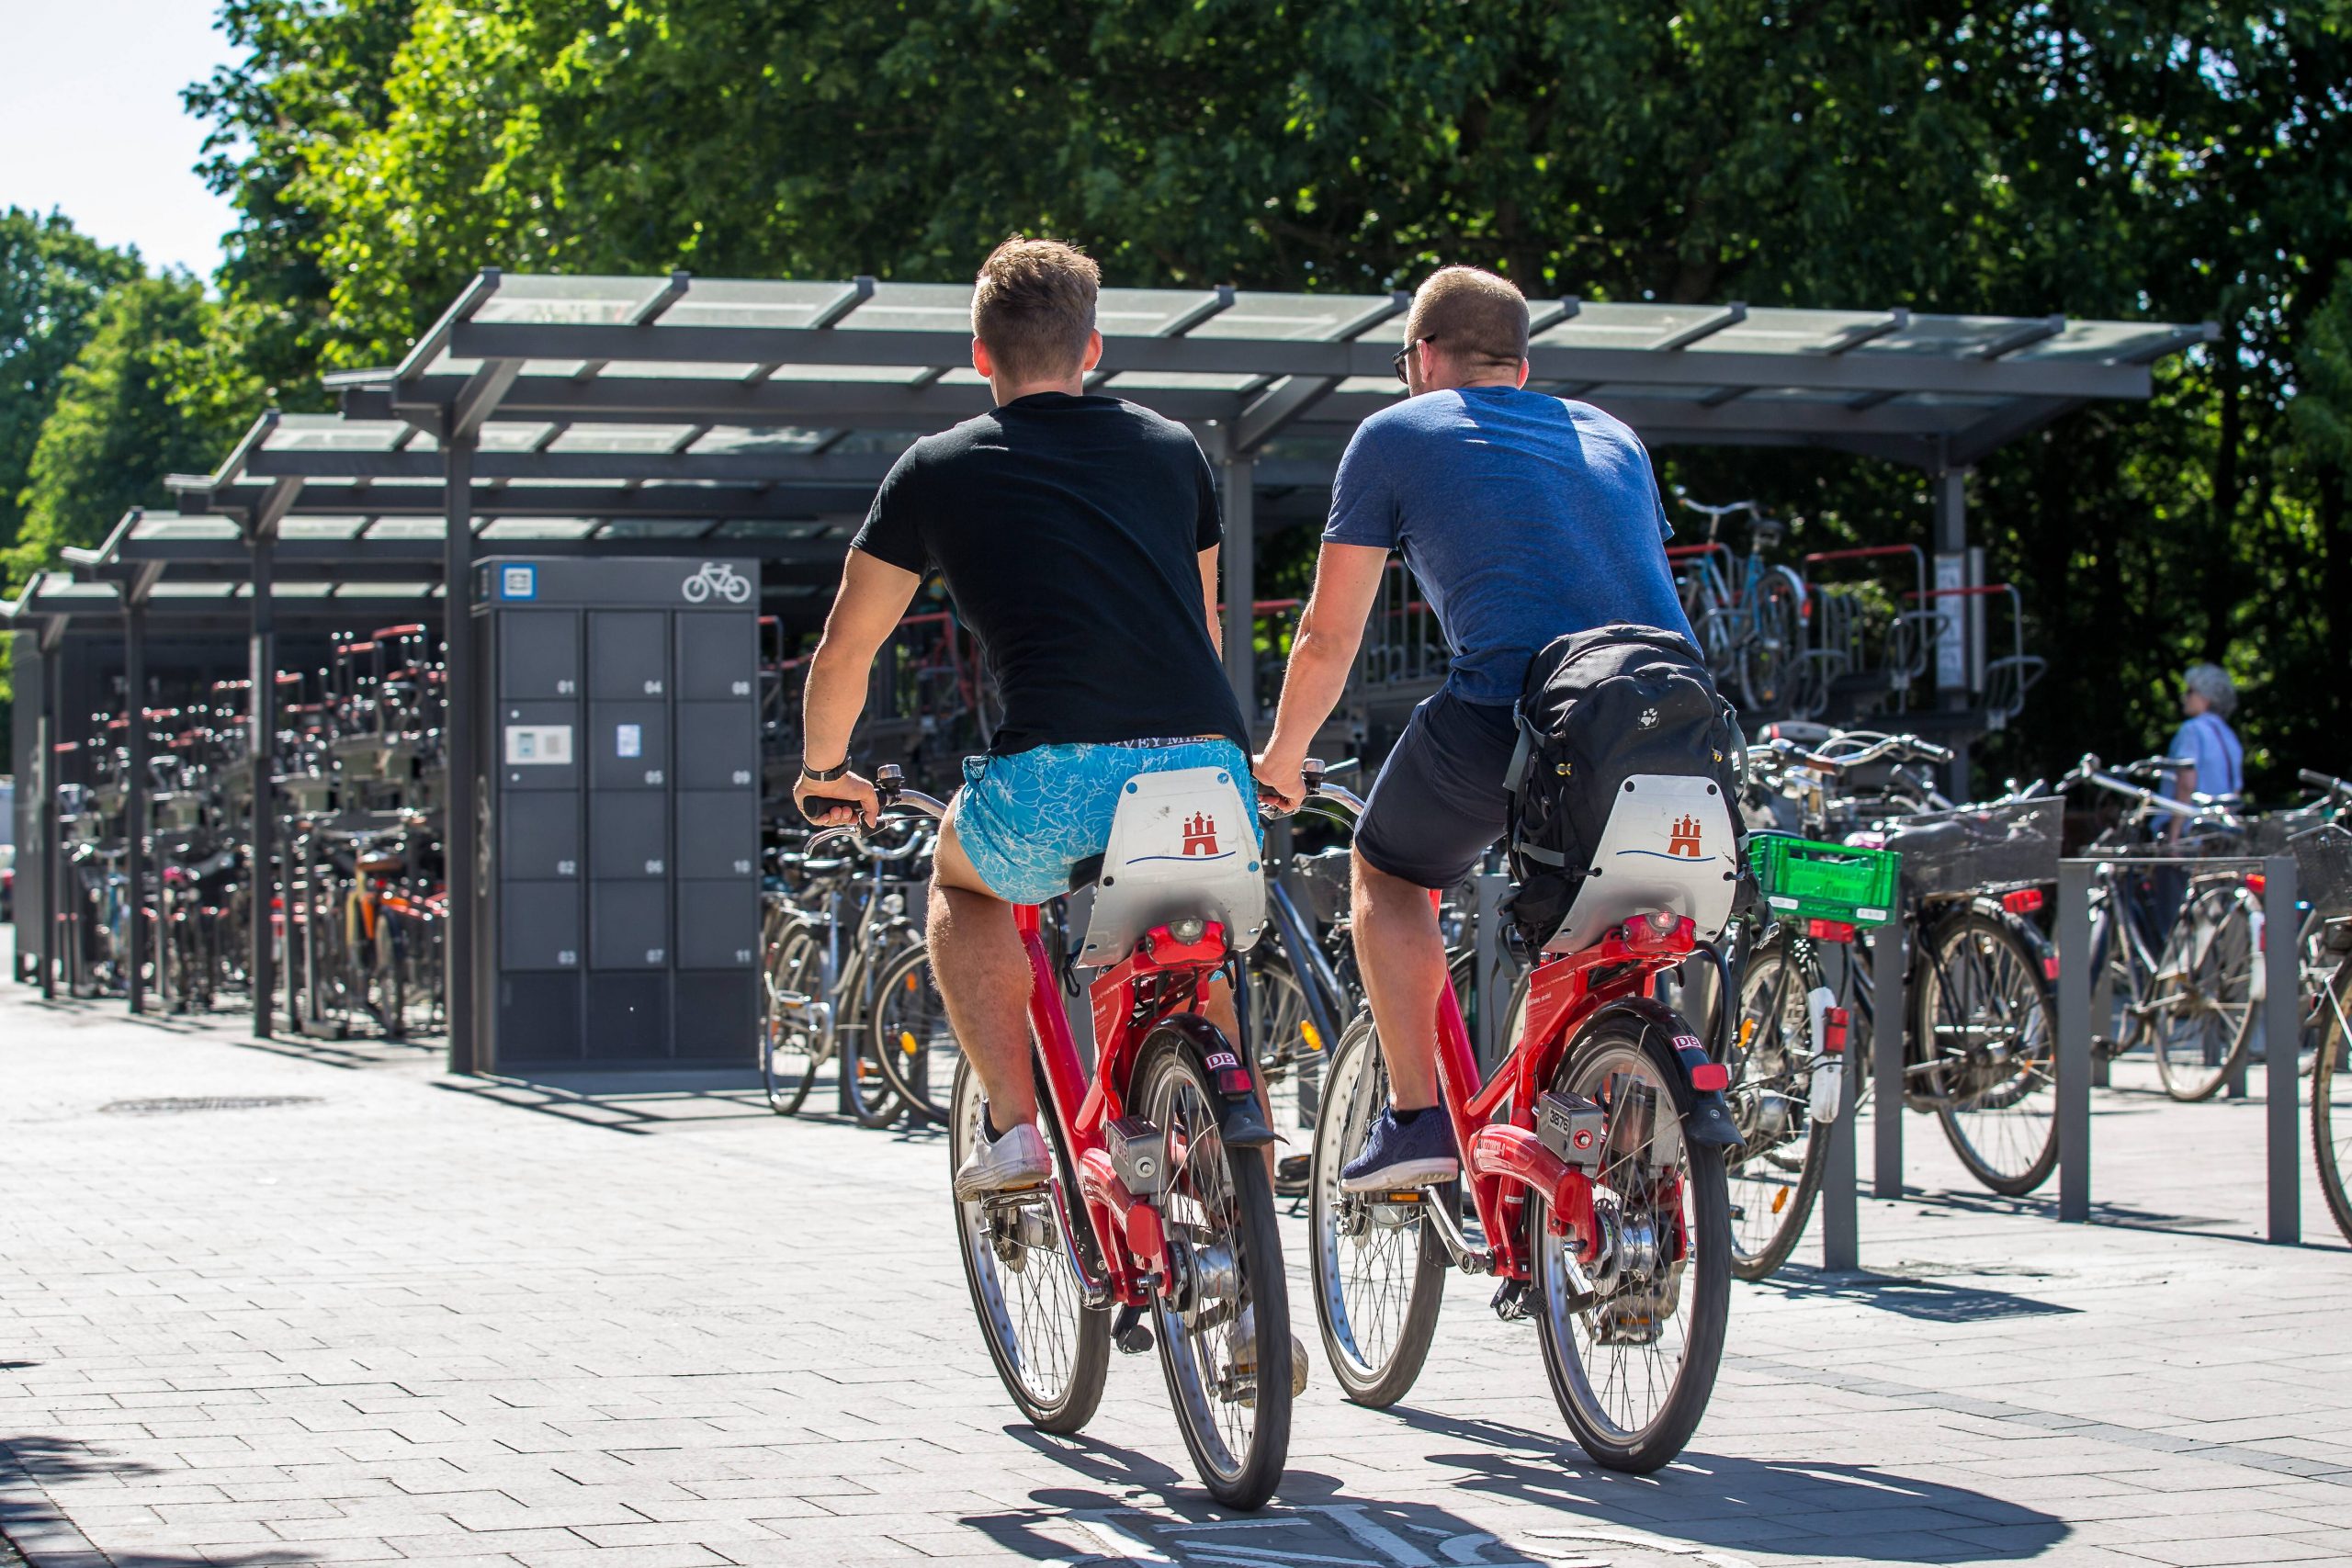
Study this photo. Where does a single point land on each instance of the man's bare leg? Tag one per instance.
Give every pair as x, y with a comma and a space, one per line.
1401, 955
983, 975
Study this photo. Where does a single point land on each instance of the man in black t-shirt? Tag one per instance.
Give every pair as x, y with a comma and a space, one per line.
1079, 537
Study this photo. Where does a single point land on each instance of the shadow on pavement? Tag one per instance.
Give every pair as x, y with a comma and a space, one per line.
31, 1524
1928, 1301
1144, 1511
630, 1102
1711, 1502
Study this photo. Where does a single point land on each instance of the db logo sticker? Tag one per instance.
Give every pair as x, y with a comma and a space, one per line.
1222, 1062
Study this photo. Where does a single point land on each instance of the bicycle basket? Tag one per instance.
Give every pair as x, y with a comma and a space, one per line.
1953, 854
1808, 881
2324, 869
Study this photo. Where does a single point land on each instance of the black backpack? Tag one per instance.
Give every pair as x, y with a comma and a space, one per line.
1597, 707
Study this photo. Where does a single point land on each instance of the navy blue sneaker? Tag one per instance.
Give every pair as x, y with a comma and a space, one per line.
1400, 1154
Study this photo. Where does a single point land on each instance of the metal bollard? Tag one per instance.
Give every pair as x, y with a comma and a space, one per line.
1840, 1206
2282, 1029
2074, 1064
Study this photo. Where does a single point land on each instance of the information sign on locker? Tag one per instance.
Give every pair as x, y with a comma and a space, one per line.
623, 824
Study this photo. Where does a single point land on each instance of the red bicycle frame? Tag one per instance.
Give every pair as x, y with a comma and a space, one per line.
1126, 1227
1501, 1159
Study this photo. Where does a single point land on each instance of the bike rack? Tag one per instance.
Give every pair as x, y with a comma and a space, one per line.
2281, 1029
1841, 1195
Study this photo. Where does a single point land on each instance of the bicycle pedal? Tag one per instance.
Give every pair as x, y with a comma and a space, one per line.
1402, 1195
1130, 1333
1514, 1302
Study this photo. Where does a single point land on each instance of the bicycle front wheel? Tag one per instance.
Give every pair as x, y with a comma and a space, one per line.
1379, 1266
1775, 1176
1224, 1317
792, 1044
2332, 1096
1984, 1031
910, 1035
1050, 1348
2202, 1011
1633, 1338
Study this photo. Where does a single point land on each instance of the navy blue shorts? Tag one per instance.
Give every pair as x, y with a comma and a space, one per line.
1437, 805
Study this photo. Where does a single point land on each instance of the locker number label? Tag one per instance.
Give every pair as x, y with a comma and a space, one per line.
543, 745
568, 958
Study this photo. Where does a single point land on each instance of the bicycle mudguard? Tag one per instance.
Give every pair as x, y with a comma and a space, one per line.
1241, 1121
1706, 1112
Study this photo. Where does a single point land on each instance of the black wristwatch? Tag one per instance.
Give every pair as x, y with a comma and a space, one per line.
827, 775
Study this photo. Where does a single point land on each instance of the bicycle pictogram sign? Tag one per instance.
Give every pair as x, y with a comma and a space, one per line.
716, 577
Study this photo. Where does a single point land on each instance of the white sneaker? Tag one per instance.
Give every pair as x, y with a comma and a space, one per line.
1241, 1344
1017, 1160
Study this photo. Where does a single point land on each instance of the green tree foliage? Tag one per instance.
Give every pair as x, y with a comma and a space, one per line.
121, 422
51, 280
2123, 159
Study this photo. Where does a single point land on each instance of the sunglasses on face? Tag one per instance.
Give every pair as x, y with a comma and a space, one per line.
1396, 360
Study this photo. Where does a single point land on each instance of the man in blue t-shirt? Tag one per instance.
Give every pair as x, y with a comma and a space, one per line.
1524, 518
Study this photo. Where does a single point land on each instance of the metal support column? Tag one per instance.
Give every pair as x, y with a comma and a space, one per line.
2282, 1028
461, 799
261, 663
52, 825
1841, 1249
134, 794
2075, 1040
1952, 541
1240, 556
1889, 1018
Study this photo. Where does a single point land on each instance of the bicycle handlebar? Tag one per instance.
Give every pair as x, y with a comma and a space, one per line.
2328, 783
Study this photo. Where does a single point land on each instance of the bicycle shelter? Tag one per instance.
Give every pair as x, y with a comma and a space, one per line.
740, 419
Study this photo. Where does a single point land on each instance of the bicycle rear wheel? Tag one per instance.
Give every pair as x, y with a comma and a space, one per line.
2202, 1010
1984, 1027
1224, 1318
1050, 1348
1775, 1177
1632, 1338
2331, 1096
1379, 1268
910, 1035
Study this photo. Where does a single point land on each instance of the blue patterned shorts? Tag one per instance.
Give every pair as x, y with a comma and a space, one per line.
1026, 820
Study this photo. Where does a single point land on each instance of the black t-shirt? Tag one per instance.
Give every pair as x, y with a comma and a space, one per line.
1069, 532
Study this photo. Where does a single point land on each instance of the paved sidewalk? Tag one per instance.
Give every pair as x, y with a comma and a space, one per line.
374, 1314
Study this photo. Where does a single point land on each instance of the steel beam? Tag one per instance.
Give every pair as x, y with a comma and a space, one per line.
1890, 1025
261, 665
134, 798
459, 825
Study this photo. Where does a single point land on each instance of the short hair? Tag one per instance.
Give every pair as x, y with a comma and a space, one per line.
1472, 314
2213, 683
1033, 306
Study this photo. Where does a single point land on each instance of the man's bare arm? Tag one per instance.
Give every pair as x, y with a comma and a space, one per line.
874, 596
1208, 599
1330, 630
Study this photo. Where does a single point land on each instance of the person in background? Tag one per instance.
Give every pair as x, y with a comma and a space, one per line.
2205, 741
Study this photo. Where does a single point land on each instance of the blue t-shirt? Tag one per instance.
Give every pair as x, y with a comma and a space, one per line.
1524, 517
2208, 741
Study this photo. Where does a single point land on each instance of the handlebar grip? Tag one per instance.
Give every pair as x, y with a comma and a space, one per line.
2318, 780
1931, 752
817, 803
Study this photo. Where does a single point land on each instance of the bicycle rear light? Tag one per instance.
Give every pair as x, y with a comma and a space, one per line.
1711, 1078
1834, 1022
2257, 883
2024, 901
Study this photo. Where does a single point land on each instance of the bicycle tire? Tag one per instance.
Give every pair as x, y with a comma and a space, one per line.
2210, 967
1768, 650
872, 1100
2331, 1124
1375, 1363
1224, 1198
909, 1044
1975, 967
1082, 1332
789, 1059
1611, 1045
1759, 1171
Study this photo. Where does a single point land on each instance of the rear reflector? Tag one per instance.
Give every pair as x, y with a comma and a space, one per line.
1830, 930
1834, 1024
2050, 967
2257, 883
1710, 1077
2024, 901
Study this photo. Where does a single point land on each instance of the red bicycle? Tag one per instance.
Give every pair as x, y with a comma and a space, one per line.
1595, 1163
1162, 1205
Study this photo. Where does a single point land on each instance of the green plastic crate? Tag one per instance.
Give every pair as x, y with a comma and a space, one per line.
1807, 881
